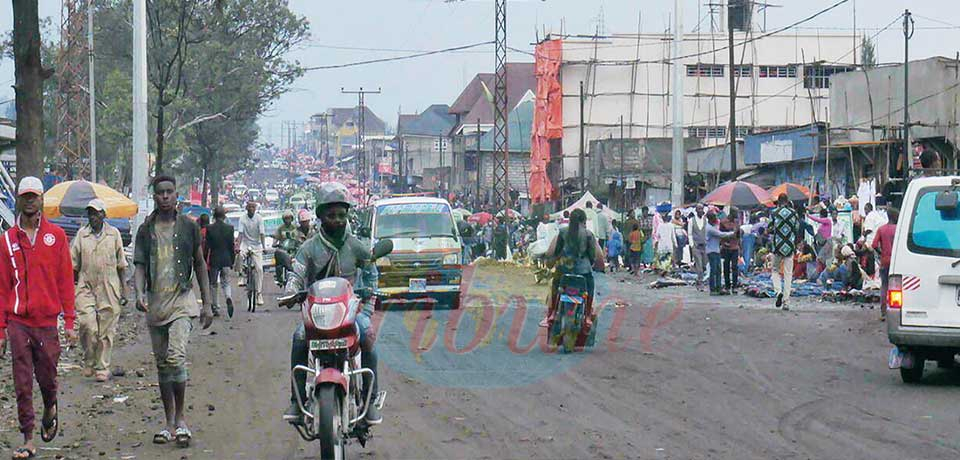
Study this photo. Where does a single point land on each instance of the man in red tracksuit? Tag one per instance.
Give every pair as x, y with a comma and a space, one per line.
36, 286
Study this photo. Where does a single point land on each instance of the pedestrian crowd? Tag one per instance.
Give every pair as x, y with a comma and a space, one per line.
44, 276
793, 241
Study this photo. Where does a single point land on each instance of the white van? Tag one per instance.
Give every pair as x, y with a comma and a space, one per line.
271, 196
923, 317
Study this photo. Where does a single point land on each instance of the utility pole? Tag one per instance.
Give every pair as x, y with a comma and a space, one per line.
442, 172
677, 169
326, 139
401, 165
140, 166
583, 174
622, 184
501, 133
93, 95
733, 97
361, 154
479, 162
907, 35
826, 173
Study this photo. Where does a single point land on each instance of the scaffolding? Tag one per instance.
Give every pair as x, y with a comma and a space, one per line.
73, 122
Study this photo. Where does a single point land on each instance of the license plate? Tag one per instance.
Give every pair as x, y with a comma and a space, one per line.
327, 344
418, 285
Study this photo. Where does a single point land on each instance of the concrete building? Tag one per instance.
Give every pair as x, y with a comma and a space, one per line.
8, 140
520, 121
425, 149
342, 124
867, 114
783, 81
471, 108
799, 155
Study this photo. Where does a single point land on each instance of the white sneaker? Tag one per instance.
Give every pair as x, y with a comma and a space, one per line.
259, 299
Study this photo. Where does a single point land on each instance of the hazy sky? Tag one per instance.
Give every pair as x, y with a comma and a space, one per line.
380, 27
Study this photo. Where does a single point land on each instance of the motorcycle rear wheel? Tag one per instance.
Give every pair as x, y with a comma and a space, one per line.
326, 420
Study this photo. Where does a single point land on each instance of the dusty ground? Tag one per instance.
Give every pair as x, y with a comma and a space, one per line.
675, 375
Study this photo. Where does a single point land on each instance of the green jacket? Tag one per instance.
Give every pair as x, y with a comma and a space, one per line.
186, 240
318, 259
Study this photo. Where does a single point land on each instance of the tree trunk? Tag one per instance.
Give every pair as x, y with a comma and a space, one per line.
159, 165
29, 87
215, 187
203, 185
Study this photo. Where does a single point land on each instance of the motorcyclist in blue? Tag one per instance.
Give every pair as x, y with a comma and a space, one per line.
333, 251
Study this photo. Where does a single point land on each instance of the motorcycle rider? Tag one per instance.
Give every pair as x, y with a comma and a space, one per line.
287, 230
333, 251
306, 225
286, 241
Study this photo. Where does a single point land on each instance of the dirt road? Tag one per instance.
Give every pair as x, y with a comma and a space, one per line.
674, 375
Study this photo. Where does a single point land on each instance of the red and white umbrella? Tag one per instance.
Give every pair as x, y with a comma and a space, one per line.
738, 193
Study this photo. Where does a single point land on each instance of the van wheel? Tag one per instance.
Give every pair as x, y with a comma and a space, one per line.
455, 302
915, 374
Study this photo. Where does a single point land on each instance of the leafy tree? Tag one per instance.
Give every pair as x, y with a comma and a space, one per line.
868, 53
240, 70
172, 27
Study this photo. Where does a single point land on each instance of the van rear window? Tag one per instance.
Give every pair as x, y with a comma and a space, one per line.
933, 232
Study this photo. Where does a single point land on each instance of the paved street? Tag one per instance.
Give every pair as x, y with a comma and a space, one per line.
687, 376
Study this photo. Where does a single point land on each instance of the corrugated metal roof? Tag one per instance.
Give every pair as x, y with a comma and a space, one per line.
469, 95
714, 159
519, 124
435, 121
372, 123
520, 79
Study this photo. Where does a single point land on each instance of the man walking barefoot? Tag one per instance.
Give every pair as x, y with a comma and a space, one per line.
166, 256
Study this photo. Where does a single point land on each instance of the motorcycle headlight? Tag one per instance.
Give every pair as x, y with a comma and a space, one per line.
327, 315
451, 259
383, 262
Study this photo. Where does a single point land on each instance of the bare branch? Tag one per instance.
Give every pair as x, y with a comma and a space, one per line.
219, 115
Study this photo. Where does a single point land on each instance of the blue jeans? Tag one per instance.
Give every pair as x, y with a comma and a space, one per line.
749, 241
714, 258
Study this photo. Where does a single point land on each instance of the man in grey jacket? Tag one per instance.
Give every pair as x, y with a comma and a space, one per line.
696, 231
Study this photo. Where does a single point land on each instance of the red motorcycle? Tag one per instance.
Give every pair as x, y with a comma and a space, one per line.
335, 404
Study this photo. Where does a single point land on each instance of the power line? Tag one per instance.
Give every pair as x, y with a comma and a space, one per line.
715, 50
397, 58
379, 50
799, 80
937, 21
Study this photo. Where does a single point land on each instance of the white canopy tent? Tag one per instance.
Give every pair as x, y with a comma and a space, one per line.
582, 204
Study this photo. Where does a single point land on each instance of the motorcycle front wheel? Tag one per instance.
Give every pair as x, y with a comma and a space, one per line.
326, 420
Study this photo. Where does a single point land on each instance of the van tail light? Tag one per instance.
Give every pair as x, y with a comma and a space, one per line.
895, 292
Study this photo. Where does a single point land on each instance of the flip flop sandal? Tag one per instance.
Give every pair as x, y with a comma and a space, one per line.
183, 437
50, 428
163, 437
23, 452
